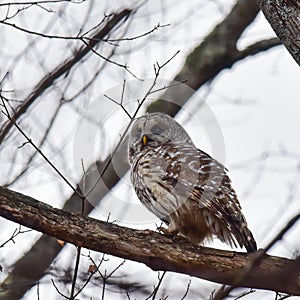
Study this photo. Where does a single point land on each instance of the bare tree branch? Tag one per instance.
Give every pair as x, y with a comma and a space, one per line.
258, 47
38, 2
63, 68
150, 248
217, 52
283, 15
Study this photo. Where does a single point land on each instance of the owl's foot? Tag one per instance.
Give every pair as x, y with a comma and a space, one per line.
176, 238
163, 230
171, 233
171, 230
168, 234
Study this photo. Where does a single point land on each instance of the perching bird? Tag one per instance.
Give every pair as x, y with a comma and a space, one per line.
182, 185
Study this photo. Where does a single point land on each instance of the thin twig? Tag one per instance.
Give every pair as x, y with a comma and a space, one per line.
90, 277
14, 234
57, 289
156, 27
168, 86
26, 168
124, 66
106, 276
38, 290
41, 2
29, 140
187, 290
155, 291
75, 273
121, 102
245, 294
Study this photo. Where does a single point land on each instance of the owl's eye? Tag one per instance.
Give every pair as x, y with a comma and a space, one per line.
157, 130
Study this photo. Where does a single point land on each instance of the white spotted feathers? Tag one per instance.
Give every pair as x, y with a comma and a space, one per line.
182, 185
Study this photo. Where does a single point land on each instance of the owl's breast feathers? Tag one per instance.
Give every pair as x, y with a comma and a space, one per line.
186, 169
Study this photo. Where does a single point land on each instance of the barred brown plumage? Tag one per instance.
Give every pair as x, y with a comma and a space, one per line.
182, 185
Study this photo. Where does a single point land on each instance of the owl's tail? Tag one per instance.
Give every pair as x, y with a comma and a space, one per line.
247, 240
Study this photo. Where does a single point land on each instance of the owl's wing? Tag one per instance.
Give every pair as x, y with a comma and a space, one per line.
213, 191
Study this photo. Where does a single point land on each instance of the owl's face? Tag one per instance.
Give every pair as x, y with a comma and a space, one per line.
153, 130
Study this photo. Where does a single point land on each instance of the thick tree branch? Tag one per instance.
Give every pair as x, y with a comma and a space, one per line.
283, 15
63, 68
152, 249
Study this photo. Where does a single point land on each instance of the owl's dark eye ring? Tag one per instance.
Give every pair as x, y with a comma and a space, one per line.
157, 130
137, 133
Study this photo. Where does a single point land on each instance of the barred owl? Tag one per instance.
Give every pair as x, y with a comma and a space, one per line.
182, 185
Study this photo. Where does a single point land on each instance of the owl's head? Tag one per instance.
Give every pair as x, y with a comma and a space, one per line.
155, 129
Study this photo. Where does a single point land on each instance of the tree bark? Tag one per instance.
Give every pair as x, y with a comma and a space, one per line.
284, 17
150, 248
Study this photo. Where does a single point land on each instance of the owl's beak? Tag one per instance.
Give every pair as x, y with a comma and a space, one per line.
145, 139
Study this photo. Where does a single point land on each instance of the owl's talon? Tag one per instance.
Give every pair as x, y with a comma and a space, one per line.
167, 231
171, 234
163, 230
176, 238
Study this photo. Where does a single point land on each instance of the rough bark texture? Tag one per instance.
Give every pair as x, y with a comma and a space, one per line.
284, 17
152, 249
